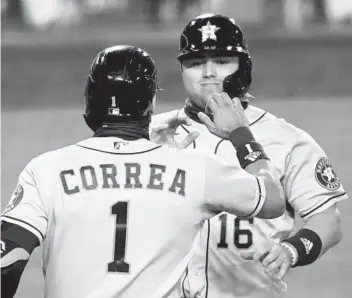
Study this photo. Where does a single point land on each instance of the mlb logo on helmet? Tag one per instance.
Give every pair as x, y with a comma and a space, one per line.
114, 111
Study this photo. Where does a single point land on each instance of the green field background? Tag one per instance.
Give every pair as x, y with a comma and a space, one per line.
305, 80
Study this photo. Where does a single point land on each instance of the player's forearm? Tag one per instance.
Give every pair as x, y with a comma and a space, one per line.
253, 159
274, 204
320, 233
10, 278
17, 244
13, 261
328, 226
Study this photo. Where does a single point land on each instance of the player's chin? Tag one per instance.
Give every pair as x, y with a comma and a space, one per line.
209, 90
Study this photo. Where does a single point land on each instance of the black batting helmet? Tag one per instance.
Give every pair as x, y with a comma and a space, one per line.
122, 81
220, 35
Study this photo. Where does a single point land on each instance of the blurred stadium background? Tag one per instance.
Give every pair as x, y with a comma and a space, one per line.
301, 51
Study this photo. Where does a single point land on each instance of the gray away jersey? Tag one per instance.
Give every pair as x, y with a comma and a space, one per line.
310, 185
118, 218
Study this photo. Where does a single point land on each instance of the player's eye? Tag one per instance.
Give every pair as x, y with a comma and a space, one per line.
197, 63
221, 61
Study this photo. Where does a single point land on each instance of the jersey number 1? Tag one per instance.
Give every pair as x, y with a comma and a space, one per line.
119, 265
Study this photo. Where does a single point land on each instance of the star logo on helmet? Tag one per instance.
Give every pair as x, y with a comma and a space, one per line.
208, 31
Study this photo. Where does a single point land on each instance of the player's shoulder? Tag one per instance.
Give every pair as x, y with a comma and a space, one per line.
264, 121
54, 157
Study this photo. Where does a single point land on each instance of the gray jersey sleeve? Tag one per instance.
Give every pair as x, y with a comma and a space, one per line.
232, 189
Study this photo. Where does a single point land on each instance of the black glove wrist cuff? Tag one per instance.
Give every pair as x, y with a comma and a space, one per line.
308, 245
250, 153
241, 136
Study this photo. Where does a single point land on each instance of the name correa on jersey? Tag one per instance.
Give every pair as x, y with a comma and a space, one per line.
106, 176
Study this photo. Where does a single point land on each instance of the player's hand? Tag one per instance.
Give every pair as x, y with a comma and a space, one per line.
164, 133
228, 114
274, 257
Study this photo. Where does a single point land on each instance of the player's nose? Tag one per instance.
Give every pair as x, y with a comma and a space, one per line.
209, 70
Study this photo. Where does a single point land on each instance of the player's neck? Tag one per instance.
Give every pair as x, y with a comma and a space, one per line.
131, 130
192, 111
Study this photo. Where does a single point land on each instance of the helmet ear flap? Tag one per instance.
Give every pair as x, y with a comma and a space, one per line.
90, 121
238, 83
234, 86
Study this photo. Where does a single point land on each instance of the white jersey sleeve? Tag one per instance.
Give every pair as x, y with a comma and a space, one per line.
26, 207
310, 182
232, 189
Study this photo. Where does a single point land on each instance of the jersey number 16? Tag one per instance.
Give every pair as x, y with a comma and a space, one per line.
238, 232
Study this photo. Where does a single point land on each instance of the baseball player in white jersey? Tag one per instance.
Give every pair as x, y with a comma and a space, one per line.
249, 258
117, 214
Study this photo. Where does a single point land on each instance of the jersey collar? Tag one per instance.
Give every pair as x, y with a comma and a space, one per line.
117, 145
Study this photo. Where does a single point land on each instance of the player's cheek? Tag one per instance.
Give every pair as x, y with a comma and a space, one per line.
197, 91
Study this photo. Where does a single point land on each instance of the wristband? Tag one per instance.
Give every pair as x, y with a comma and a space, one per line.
250, 153
292, 252
308, 246
241, 136
248, 150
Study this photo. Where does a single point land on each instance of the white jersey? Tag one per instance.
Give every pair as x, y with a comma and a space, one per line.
118, 218
310, 186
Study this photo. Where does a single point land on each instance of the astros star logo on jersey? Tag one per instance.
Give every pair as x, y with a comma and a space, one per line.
15, 198
208, 31
325, 175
